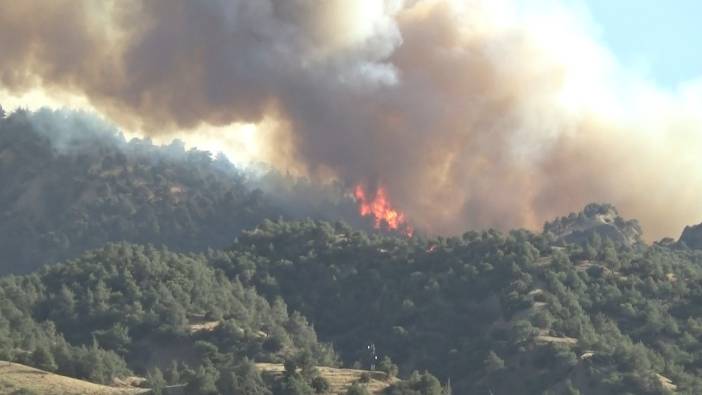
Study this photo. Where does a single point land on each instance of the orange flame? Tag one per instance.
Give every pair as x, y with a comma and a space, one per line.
381, 210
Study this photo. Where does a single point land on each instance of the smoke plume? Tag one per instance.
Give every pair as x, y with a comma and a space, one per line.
470, 114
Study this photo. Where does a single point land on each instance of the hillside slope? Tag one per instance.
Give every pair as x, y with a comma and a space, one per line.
14, 376
339, 379
72, 183
127, 308
488, 312
493, 312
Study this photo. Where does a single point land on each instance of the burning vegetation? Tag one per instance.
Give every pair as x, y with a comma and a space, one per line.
378, 207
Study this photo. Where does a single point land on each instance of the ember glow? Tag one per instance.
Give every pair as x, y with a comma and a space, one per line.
378, 206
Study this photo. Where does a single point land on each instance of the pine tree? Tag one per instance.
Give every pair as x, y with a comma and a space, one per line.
43, 359
493, 362
156, 381
203, 382
386, 365
321, 385
357, 389
173, 374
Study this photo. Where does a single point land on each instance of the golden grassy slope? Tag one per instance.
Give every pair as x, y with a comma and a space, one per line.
340, 379
15, 376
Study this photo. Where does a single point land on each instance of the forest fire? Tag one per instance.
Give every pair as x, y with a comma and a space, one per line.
378, 206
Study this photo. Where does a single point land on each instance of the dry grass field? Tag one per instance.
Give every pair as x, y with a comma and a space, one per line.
340, 379
14, 377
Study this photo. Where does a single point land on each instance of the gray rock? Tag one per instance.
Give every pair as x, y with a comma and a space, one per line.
600, 219
692, 236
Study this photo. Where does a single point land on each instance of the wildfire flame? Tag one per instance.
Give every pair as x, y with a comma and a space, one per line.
381, 210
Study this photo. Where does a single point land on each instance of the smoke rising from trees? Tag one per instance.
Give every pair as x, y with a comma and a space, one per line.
470, 113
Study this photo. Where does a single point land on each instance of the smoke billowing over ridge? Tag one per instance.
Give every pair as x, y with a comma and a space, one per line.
470, 113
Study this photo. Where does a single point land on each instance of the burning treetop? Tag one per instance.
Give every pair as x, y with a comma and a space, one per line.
380, 208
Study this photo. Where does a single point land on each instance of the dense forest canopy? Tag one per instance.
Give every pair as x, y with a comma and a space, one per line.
71, 183
487, 311
128, 307
177, 266
603, 317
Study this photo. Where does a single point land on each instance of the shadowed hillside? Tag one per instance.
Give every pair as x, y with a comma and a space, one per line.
71, 183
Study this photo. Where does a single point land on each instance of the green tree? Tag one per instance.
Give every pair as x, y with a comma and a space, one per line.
305, 362
202, 381
357, 389
156, 381
290, 366
522, 332
493, 363
172, 375
116, 338
386, 365
320, 385
294, 384
570, 389
243, 379
417, 384
43, 359
206, 351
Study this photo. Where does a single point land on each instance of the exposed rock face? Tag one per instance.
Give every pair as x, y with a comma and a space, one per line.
692, 236
600, 219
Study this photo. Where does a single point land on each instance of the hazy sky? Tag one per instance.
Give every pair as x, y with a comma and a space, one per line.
659, 38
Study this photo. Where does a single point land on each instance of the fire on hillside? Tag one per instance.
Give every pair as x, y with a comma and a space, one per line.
378, 207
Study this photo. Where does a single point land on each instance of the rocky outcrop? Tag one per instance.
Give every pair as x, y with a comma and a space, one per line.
595, 219
692, 237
